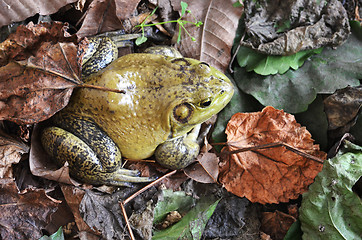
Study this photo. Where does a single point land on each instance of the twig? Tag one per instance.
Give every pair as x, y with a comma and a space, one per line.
127, 221
273, 145
147, 187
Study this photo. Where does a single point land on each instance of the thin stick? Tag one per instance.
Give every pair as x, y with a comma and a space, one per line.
147, 187
277, 144
127, 221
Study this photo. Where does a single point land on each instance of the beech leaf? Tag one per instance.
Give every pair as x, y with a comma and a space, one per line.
268, 175
214, 39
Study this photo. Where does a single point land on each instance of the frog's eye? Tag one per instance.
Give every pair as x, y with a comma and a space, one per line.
204, 64
204, 68
181, 62
182, 112
205, 103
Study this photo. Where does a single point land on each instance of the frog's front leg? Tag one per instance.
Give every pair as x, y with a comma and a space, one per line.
92, 156
179, 152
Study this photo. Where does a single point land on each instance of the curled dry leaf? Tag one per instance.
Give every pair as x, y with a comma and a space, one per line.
34, 89
11, 151
28, 212
269, 175
215, 37
284, 27
18, 10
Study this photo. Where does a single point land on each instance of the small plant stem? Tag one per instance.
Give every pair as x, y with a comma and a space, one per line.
147, 187
127, 221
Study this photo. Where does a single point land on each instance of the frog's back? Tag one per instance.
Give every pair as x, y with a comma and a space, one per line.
139, 120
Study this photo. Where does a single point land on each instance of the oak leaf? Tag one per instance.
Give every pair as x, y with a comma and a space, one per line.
268, 175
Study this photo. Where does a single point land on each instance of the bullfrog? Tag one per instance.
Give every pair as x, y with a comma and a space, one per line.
165, 100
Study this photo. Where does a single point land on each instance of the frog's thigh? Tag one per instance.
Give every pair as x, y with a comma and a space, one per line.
83, 162
177, 153
90, 133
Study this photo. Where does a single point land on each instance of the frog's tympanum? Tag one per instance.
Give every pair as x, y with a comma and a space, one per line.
165, 101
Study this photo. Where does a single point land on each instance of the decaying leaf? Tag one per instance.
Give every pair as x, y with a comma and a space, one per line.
11, 151
33, 89
73, 196
276, 224
18, 10
215, 37
343, 106
269, 175
101, 17
286, 27
24, 214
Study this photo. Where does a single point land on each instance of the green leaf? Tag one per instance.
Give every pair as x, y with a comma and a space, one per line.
315, 120
295, 90
192, 224
183, 7
58, 235
172, 201
330, 209
265, 65
294, 232
141, 40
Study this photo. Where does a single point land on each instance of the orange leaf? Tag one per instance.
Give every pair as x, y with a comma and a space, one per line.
269, 175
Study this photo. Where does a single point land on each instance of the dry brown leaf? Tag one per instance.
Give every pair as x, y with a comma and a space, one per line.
215, 37
11, 151
18, 10
269, 175
276, 224
24, 214
73, 196
34, 89
205, 170
25, 41
343, 106
101, 17
125, 8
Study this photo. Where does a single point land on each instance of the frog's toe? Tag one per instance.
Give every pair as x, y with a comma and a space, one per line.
132, 179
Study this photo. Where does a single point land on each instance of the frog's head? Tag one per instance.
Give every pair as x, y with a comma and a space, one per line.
202, 92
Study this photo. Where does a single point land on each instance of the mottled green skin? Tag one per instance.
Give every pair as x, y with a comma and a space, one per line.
165, 98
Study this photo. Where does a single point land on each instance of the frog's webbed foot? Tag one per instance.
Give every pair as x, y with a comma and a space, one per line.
179, 152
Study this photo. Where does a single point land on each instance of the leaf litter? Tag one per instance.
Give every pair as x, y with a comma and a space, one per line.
97, 24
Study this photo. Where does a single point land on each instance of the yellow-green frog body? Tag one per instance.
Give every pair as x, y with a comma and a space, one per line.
164, 99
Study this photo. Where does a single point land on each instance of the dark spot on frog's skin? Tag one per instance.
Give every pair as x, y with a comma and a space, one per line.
111, 111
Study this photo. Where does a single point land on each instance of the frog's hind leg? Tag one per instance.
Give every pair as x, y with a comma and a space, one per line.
93, 158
